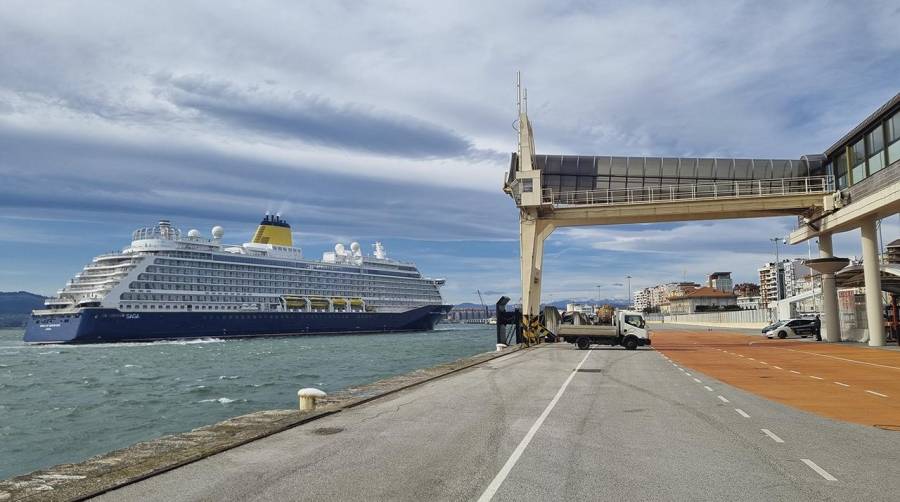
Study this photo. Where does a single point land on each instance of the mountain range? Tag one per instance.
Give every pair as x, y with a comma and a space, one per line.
15, 307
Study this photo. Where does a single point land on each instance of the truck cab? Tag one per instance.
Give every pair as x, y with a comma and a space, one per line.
628, 329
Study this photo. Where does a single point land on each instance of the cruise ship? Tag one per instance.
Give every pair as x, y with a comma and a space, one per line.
166, 285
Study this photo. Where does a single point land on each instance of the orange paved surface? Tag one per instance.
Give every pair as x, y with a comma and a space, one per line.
797, 373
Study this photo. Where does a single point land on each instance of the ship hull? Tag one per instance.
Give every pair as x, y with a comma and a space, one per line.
98, 325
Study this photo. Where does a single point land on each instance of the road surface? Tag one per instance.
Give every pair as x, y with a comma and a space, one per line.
628, 425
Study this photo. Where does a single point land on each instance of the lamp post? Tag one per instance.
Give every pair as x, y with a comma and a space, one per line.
628, 278
777, 240
598, 294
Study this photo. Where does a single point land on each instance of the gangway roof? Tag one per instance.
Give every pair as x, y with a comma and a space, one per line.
569, 173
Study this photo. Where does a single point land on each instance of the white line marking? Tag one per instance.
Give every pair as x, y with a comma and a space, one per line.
697, 380
763, 362
750, 358
776, 367
842, 384
812, 465
817, 378
707, 387
876, 393
511, 462
688, 374
679, 368
775, 438
797, 372
844, 359
740, 355
742, 413
723, 399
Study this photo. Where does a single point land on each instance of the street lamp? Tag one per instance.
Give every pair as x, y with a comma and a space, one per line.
628, 277
778, 240
598, 294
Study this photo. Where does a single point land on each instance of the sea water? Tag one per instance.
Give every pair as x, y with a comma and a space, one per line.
65, 403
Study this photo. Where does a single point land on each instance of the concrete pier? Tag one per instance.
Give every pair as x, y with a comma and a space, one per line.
627, 425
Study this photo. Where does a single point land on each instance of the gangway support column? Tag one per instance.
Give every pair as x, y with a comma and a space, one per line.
872, 275
533, 231
829, 293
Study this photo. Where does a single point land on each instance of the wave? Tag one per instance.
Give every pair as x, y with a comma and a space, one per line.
229, 377
192, 341
221, 400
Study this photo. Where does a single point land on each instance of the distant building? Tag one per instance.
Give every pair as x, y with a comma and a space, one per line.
721, 281
746, 289
461, 314
701, 300
581, 308
771, 283
642, 299
749, 302
798, 278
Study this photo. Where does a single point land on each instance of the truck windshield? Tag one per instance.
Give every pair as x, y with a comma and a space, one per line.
635, 320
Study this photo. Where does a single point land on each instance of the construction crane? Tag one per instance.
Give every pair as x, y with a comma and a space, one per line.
486, 313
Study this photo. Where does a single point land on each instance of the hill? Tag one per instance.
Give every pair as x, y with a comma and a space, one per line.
15, 307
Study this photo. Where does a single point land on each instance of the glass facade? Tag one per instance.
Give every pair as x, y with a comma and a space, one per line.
893, 138
875, 148
858, 161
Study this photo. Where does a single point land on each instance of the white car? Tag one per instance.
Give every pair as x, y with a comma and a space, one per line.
791, 328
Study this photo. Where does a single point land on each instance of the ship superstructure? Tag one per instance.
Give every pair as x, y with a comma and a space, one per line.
163, 272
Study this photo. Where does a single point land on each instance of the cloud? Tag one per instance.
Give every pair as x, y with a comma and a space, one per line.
393, 121
315, 119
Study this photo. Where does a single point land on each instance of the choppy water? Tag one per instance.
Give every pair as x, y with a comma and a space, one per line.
65, 403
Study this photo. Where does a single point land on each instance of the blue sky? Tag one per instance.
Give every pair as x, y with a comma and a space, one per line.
392, 121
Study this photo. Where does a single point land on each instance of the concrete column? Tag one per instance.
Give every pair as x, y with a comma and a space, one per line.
532, 234
872, 274
829, 294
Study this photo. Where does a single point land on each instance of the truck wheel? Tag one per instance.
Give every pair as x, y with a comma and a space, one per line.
583, 343
782, 334
631, 343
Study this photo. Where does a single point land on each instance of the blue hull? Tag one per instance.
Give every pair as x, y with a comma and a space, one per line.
96, 325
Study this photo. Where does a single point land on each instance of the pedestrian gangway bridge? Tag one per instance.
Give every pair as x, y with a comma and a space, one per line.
553, 191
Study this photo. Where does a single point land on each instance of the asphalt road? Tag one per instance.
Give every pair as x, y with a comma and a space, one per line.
627, 426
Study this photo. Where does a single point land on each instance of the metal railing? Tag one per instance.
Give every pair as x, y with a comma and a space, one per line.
712, 190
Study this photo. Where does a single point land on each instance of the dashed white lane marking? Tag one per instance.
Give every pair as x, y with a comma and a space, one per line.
511, 462
742, 413
817, 378
797, 372
697, 380
763, 362
750, 358
680, 368
688, 374
776, 367
775, 438
707, 387
822, 472
723, 399
740, 355
845, 359
842, 384
876, 393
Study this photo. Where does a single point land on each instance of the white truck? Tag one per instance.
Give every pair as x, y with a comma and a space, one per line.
628, 329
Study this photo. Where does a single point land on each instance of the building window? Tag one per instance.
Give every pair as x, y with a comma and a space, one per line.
840, 170
875, 149
858, 161
893, 137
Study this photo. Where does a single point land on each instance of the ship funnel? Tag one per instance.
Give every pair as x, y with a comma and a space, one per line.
273, 230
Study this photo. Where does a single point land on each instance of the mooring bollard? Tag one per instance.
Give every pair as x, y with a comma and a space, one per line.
501, 346
308, 398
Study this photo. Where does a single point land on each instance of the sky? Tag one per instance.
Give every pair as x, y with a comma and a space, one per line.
392, 121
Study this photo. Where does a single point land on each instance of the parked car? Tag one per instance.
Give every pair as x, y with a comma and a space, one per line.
791, 328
